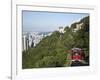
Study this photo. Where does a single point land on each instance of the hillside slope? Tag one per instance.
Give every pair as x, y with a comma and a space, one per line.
52, 51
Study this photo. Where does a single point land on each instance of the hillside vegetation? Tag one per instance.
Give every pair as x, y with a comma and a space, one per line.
52, 51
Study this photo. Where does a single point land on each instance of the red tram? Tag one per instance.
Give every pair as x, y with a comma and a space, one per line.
77, 54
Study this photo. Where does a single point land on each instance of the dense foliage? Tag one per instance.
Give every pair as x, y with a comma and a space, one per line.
52, 51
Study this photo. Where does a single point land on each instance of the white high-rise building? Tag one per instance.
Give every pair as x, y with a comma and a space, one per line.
30, 38
61, 30
24, 42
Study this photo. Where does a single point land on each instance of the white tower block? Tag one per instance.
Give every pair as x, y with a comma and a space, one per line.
61, 30
24, 42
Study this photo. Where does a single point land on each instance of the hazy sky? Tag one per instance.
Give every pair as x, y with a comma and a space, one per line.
48, 21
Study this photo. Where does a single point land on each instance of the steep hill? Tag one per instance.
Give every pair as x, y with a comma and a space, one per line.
52, 50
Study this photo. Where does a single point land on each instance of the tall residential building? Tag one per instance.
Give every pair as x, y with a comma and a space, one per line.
61, 29
24, 42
